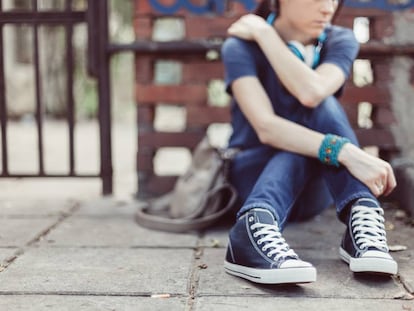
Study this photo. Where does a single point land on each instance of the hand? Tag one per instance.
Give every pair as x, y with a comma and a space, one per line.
248, 27
374, 172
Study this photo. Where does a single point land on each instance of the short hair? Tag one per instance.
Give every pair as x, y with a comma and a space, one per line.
265, 7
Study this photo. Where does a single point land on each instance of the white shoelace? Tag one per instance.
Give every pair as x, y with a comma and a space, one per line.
272, 238
368, 227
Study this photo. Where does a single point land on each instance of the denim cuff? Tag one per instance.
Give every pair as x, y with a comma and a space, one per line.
343, 207
250, 206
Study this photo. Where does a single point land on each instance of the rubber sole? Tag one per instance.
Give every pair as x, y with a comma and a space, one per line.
369, 264
297, 275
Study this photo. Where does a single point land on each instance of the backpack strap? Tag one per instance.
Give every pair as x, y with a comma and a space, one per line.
213, 213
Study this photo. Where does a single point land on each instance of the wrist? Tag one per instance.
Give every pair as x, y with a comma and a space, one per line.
344, 154
331, 149
264, 33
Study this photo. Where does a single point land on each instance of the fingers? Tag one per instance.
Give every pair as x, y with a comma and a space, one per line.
246, 26
386, 183
239, 29
391, 181
377, 189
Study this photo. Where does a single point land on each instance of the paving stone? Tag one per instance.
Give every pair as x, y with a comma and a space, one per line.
279, 303
51, 188
98, 271
18, 232
215, 237
34, 208
108, 207
317, 233
113, 231
401, 235
322, 232
334, 280
89, 303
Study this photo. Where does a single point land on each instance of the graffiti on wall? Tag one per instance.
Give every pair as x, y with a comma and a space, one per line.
219, 6
388, 5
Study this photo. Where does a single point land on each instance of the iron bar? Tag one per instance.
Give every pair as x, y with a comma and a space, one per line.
96, 16
104, 96
23, 175
69, 89
93, 33
38, 93
202, 46
3, 108
47, 17
164, 48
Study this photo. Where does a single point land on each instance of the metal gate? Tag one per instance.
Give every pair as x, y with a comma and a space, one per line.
96, 19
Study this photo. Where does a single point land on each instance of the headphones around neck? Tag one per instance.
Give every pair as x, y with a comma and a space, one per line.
310, 56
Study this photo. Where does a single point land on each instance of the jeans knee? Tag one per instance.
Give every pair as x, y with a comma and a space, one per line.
330, 117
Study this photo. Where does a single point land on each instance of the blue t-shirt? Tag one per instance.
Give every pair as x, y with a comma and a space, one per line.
245, 58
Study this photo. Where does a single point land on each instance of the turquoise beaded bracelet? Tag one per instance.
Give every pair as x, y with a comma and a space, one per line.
330, 148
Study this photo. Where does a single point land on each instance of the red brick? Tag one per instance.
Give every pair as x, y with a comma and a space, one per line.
144, 69
207, 115
161, 139
158, 185
181, 94
143, 27
146, 114
381, 27
356, 12
202, 71
345, 21
197, 72
371, 94
145, 162
237, 8
383, 138
352, 113
383, 117
201, 27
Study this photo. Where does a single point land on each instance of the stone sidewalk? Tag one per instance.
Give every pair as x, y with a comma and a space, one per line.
63, 247
91, 255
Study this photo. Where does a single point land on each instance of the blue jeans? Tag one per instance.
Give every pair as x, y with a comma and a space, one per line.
292, 186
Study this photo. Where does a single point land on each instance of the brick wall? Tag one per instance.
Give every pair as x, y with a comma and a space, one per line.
198, 69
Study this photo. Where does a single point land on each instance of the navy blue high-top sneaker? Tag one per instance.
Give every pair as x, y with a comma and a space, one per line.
258, 252
364, 245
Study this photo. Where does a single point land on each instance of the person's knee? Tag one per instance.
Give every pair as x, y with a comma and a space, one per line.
330, 117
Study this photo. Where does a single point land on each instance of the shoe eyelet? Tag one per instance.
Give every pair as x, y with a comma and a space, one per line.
264, 248
251, 219
268, 255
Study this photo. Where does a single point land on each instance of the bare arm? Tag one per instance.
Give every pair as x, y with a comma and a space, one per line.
309, 86
272, 129
286, 135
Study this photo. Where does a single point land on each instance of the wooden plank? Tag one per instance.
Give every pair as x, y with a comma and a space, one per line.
352, 113
157, 140
150, 185
207, 115
144, 69
202, 71
371, 94
143, 26
145, 162
179, 94
158, 185
356, 12
382, 138
205, 27
145, 115
383, 117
